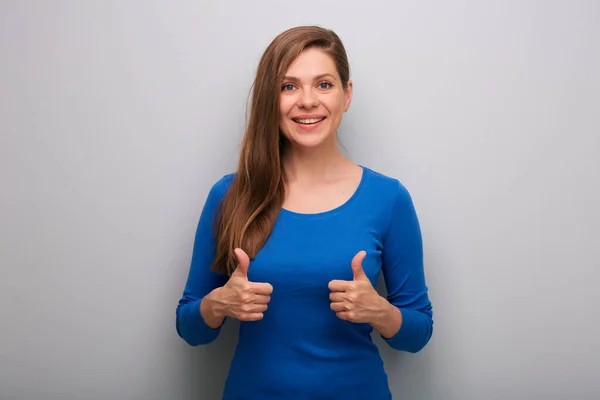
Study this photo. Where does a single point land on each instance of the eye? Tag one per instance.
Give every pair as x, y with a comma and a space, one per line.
287, 87
325, 85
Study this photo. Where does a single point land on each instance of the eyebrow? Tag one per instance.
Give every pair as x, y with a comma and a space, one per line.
321, 76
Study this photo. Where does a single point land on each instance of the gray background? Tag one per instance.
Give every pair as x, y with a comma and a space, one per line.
116, 117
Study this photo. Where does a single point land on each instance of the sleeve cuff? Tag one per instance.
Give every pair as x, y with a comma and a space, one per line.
414, 333
192, 327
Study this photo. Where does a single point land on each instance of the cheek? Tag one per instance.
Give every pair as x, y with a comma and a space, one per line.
285, 106
336, 108
336, 104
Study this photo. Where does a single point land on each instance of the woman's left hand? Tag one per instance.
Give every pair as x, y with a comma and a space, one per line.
357, 300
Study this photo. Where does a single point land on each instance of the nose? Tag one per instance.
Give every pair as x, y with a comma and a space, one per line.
308, 99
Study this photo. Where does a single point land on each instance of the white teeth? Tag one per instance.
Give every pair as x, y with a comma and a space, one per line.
309, 120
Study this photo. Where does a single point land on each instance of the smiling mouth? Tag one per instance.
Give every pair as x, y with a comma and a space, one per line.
308, 121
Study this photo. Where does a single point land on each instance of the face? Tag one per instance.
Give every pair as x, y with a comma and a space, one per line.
312, 100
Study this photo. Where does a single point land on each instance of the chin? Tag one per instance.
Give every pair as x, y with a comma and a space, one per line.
308, 141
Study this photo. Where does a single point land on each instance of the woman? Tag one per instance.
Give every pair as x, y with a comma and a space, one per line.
292, 244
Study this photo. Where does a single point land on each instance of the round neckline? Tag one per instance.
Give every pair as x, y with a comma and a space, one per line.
339, 208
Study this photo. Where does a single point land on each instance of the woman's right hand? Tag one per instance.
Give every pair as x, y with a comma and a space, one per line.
238, 298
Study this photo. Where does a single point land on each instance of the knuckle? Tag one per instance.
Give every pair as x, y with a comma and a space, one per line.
245, 298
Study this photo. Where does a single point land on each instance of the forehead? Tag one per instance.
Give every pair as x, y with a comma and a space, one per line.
312, 62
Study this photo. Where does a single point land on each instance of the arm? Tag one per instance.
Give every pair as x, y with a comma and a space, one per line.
193, 325
408, 325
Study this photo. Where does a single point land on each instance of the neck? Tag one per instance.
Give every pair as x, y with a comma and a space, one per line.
314, 165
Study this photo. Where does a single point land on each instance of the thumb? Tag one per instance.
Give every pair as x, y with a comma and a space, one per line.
357, 268
243, 263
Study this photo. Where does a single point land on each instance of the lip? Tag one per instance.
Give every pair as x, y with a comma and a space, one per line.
311, 127
308, 116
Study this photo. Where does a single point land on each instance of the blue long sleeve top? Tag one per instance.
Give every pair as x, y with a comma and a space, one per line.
301, 349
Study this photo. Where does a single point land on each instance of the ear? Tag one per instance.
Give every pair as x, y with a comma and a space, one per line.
348, 96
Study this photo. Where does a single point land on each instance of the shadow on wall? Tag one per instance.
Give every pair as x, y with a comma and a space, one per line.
207, 366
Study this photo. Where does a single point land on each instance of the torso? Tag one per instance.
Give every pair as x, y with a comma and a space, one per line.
300, 349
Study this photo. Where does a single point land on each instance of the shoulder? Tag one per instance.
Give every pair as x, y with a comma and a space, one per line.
383, 186
220, 187
223, 184
397, 209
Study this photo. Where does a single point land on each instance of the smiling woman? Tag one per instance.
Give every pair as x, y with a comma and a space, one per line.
293, 242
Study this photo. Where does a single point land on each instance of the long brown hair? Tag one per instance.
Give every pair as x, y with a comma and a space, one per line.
249, 209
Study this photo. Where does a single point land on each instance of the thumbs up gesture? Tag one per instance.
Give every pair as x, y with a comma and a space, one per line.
357, 300
239, 298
